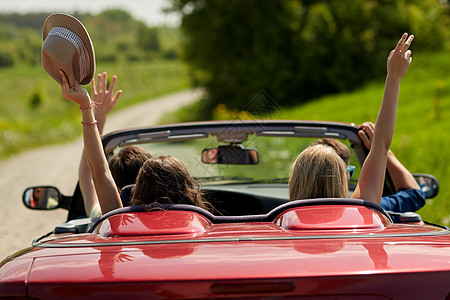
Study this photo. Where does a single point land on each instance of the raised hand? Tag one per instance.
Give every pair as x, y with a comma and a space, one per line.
77, 94
104, 97
366, 133
399, 59
371, 180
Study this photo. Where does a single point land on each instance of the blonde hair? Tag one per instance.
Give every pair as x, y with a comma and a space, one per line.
318, 172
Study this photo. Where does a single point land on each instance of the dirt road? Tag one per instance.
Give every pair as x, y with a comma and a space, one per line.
58, 166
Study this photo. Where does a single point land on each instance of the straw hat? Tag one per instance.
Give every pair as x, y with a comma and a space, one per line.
67, 47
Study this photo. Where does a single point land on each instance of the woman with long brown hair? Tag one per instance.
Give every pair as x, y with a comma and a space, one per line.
162, 179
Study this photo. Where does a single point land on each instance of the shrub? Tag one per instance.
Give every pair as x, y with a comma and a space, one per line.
6, 57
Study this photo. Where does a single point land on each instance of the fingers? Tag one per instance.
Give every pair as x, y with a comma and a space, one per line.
390, 55
103, 94
366, 133
65, 82
116, 97
77, 94
401, 42
112, 85
362, 135
99, 82
105, 82
102, 83
407, 43
369, 128
408, 55
65, 85
93, 87
404, 43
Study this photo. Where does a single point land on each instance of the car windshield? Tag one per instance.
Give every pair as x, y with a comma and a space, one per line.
276, 155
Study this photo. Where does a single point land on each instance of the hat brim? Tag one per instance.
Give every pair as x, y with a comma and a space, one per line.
74, 25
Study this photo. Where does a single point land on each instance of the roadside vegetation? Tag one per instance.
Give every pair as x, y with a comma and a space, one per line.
32, 110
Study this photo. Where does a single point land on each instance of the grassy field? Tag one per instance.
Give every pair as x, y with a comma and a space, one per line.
33, 112
422, 134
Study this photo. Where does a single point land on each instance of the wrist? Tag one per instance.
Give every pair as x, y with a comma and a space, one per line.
87, 106
89, 123
87, 116
393, 79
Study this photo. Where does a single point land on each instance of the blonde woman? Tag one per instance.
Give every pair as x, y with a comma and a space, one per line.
318, 172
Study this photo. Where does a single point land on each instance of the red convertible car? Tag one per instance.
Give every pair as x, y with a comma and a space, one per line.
258, 246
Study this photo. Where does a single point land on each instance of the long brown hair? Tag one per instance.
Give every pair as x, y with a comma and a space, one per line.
318, 172
165, 179
126, 164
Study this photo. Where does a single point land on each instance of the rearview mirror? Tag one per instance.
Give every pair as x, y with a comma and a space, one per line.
428, 184
230, 154
42, 197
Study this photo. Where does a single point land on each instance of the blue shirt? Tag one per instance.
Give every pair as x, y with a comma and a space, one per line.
404, 200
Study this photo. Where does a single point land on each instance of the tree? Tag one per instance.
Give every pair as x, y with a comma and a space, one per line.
296, 50
147, 38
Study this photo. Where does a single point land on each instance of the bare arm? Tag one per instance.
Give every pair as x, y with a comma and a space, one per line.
402, 178
370, 184
105, 187
400, 175
104, 103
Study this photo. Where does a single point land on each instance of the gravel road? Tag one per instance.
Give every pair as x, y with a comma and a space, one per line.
58, 166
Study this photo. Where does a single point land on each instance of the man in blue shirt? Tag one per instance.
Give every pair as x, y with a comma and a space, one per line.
408, 196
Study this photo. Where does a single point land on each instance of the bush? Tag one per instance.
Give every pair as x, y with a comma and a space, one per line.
6, 58
37, 98
147, 39
170, 54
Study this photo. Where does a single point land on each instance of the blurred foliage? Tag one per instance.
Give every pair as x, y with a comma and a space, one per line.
33, 112
116, 35
221, 112
144, 58
297, 50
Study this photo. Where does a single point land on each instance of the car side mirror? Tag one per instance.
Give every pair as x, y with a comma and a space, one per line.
428, 184
44, 198
230, 154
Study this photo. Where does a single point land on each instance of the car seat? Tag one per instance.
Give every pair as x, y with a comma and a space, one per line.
125, 194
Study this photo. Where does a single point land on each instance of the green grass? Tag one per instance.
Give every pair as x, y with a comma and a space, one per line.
28, 121
422, 133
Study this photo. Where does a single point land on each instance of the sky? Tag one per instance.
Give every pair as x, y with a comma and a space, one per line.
149, 11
